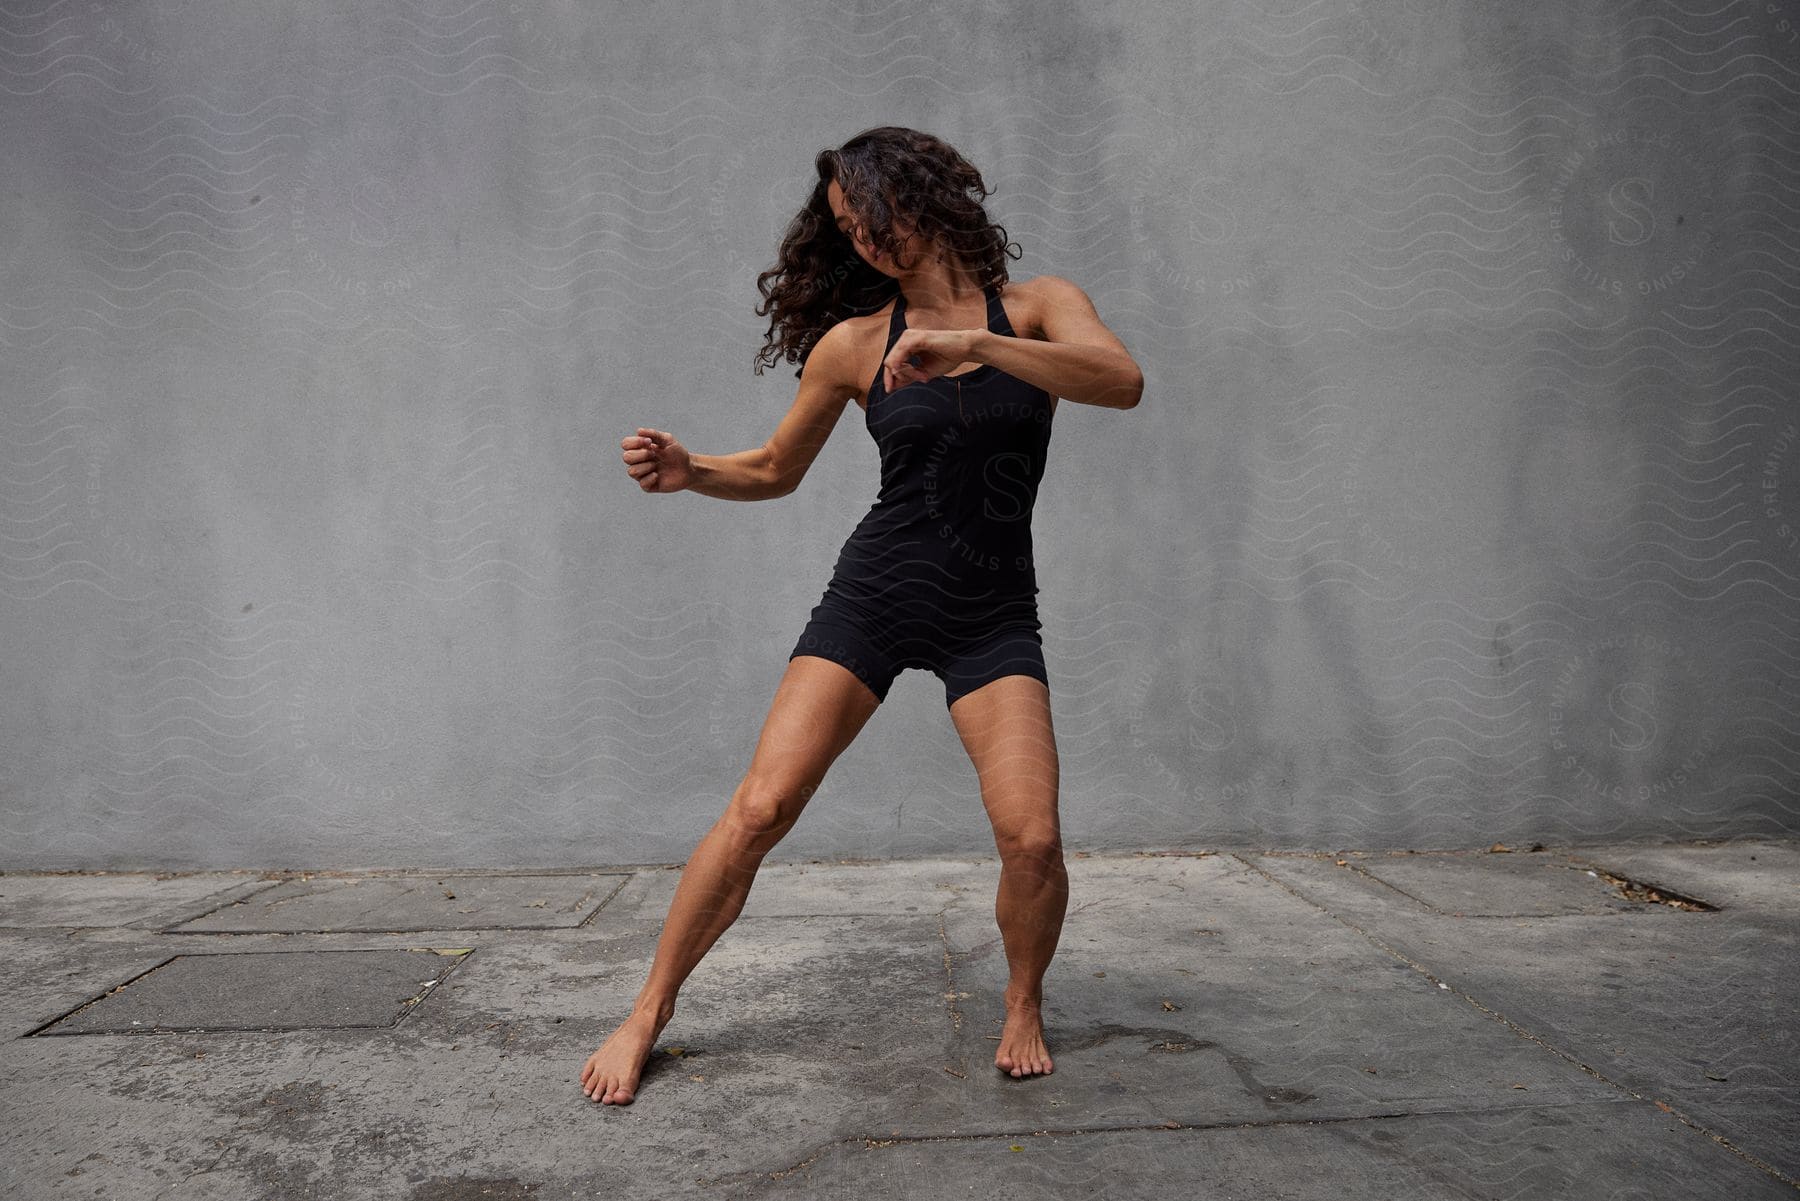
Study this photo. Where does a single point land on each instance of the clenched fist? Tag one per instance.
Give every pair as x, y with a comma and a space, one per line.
657, 461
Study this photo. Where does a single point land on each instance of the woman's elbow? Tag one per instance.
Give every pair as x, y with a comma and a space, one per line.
780, 477
1132, 389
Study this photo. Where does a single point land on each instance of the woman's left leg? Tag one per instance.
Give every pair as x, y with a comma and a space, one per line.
1005, 726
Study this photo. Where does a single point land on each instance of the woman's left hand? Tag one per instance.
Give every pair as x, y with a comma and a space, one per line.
921, 354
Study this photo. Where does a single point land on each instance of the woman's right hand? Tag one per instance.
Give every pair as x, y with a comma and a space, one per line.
657, 461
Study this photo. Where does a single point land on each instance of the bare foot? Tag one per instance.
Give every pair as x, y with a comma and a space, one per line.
610, 1074
1022, 1051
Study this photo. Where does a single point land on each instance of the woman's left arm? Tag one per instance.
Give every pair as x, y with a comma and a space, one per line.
1083, 361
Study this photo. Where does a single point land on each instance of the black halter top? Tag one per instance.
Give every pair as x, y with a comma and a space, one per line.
948, 538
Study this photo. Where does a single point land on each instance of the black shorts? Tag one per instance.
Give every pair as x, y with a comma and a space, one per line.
963, 661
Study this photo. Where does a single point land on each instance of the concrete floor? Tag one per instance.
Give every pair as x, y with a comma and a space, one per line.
1236, 1024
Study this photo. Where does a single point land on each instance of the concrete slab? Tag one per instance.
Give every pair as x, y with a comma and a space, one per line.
1223, 1025
1755, 874
1491, 885
1244, 1005
267, 991
801, 888
1692, 1010
143, 900
439, 901
843, 887
795, 1026
1606, 1149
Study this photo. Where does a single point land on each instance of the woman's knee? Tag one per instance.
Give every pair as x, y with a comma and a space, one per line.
763, 810
1034, 844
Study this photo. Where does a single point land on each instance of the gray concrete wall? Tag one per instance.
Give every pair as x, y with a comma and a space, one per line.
1461, 506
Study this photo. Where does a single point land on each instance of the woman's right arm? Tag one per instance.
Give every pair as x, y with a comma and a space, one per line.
742, 476
777, 466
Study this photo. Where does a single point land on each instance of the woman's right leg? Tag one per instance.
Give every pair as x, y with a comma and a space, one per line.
818, 710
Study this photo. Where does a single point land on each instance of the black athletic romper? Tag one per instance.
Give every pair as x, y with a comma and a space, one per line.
939, 573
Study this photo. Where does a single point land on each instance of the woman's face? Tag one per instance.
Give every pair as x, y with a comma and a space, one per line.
851, 227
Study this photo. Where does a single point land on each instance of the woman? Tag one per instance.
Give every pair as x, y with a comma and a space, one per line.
891, 289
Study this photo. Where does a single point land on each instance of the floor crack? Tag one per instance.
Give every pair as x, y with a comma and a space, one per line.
950, 994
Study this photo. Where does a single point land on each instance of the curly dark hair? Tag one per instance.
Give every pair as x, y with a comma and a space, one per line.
887, 171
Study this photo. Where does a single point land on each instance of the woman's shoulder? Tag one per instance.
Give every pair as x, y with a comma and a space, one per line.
855, 332
1035, 287
853, 346
856, 325
1025, 300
